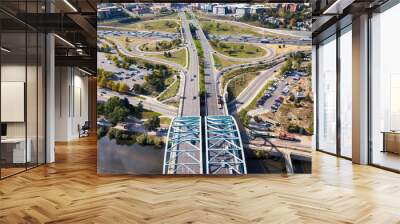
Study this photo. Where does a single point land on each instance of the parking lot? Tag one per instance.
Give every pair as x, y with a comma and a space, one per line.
131, 76
274, 96
139, 34
262, 40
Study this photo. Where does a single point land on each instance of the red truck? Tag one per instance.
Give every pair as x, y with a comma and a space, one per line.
285, 136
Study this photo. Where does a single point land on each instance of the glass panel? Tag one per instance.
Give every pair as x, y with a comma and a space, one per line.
327, 95
41, 99
346, 93
385, 89
13, 79
31, 98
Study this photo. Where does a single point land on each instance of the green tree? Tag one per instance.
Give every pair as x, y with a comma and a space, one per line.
123, 88
141, 139
110, 84
102, 82
118, 115
152, 123
115, 87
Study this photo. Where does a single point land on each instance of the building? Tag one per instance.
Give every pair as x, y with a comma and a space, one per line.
110, 12
291, 7
220, 10
208, 7
256, 9
242, 11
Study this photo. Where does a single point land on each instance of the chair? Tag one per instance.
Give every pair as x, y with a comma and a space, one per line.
84, 130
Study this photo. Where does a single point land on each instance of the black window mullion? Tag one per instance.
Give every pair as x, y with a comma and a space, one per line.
338, 76
37, 90
26, 86
316, 97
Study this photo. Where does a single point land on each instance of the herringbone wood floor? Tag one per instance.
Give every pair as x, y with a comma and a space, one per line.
69, 191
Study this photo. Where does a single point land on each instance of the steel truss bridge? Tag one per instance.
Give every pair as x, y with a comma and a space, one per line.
222, 146
183, 154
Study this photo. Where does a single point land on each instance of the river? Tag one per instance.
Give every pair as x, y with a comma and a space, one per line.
128, 159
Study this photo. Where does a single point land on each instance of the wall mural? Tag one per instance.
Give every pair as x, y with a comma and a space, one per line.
204, 88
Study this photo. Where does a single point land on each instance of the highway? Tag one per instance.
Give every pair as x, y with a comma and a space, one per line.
148, 102
185, 157
191, 100
248, 94
261, 40
212, 107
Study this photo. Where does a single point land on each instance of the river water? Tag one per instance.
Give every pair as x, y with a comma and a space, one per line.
128, 159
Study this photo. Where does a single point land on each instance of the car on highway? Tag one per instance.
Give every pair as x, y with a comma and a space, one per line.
194, 97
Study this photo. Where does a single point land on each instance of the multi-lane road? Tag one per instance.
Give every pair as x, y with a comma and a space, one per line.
191, 101
211, 80
147, 102
249, 93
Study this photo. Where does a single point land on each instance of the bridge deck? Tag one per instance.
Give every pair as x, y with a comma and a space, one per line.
224, 149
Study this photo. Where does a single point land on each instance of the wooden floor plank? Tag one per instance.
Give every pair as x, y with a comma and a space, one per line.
70, 191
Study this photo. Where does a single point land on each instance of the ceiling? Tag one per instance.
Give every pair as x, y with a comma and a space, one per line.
74, 22
330, 15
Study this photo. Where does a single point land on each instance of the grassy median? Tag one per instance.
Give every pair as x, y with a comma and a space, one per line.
170, 92
237, 85
202, 80
238, 50
170, 26
178, 57
225, 28
221, 63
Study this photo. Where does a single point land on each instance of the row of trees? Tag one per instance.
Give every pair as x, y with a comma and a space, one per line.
283, 18
105, 48
294, 63
124, 137
104, 81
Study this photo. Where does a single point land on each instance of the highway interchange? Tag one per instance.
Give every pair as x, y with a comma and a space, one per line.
188, 94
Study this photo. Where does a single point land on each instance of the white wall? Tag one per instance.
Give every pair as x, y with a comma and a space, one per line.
71, 102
